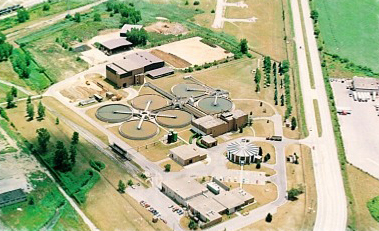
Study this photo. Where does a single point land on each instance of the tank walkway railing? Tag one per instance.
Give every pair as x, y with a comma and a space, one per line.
160, 90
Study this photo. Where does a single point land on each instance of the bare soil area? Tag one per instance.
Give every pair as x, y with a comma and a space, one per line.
167, 28
172, 59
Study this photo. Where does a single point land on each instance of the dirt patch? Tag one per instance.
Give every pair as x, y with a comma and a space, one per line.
167, 28
172, 59
78, 92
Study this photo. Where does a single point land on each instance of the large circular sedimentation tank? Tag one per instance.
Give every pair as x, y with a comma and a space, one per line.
184, 90
207, 104
182, 118
243, 152
107, 113
130, 130
157, 102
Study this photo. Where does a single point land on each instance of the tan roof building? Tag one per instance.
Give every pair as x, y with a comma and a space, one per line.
187, 154
206, 208
365, 84
234, 199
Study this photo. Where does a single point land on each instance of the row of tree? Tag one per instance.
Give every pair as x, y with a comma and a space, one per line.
5, 48
21, 63
63, 160
30, 110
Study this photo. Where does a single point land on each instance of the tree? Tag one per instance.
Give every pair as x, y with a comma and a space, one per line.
2, 38
10, 100
284, 67
196, 3
6, 50
121, 186
57, 121
41, 111
192, 225
282, 100
97, 17
267, 157
267, 68
130, 182
22, 15
314, 15
46, 7
75, 138
167, 167
293, 123
14, 91
257, 79
293, 193
268, 218
137, 36
29, 99
243, 46
73, 153
30, 110
61, 158
3, 114
31, 201
43, 138
77, 17
258, 165
186, 3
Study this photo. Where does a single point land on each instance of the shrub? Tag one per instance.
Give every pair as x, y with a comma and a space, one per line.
97, 165
196, 3
373, 207
46, 7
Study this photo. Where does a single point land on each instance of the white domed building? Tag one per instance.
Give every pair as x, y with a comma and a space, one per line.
243, 152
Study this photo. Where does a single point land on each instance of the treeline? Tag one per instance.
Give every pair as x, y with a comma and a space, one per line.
61, 160
5, 48
21, 63
137, 36
129, 15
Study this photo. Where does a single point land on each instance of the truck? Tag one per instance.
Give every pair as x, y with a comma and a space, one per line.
275, 138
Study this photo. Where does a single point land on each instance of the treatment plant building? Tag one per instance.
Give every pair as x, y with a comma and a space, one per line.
203, 202
130, 70
216, 126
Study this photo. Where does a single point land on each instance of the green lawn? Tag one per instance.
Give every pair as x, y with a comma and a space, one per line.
350, 29
47, 199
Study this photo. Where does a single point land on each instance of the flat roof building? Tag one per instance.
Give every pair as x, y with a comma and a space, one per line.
129, 70
115, 45
209, 141
207, 209
183, 189
234, 199
160, 72
228, 121
365, 84
187, 154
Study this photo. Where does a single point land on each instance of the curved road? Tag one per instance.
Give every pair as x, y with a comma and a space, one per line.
331, 199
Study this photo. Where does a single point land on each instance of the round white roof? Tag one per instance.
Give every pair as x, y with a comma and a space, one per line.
243, 149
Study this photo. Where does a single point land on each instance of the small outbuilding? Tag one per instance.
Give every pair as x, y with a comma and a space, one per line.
208, 141
115, 45
12, 197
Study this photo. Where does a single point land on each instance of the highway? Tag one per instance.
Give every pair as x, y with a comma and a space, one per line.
331, 199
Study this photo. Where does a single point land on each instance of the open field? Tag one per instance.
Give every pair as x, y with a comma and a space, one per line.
358, 41
254, 106
264, 128
175, 167
364, 187
8, 74
266, 34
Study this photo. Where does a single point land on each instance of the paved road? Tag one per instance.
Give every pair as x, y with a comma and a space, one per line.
331, 199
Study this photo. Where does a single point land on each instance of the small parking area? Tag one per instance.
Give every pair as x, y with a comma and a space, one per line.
234, 176
359, 129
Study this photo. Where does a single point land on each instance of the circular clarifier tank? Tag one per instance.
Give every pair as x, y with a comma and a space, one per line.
130, 130
157, 102
185, 90
108, 113
174, 118
212, 105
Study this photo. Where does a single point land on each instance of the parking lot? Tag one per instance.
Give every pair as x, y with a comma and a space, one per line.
359, 129
248, 177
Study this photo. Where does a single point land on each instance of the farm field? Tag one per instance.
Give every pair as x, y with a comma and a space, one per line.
266, 34
358, 40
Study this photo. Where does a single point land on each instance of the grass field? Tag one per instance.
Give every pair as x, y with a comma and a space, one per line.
363, 187
47, 200
3, 92
266, 34
358, 40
